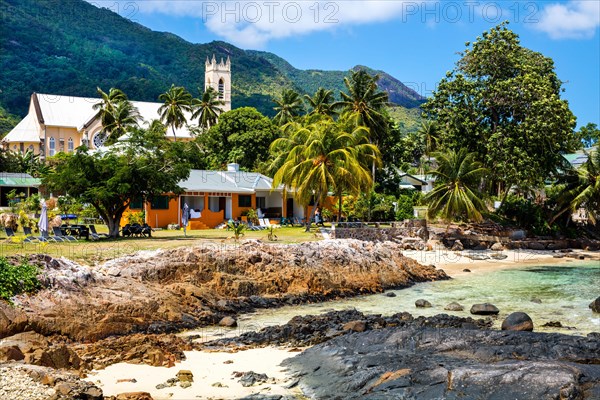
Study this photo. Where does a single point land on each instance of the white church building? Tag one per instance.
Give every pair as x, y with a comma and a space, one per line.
57, 123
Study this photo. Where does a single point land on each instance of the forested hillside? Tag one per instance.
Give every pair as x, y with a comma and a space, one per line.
71, 47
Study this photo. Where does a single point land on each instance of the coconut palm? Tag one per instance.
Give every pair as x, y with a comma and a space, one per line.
322, 102
581, 189
288, 107
207, 109
456, 194
117, 114
366, 103
318, 155
176, 100
123, 116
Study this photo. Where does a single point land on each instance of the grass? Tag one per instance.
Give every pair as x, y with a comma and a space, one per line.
91, 252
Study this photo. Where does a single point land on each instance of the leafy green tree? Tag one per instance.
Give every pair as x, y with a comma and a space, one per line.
242, 135
207, 109
116, 114
502, 101
145, 165
588, 135
581, 188
176, 101
319, 155
456, 195
323, 102
288, 106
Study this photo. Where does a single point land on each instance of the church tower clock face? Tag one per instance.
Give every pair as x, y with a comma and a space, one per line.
99, 139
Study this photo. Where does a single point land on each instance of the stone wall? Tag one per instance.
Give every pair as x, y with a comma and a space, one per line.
396, 233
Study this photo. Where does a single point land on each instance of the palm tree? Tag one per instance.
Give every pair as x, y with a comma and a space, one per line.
116, 113
429, 131
176, 100
582, 189
322, 102
122, 117
456, 194
288, 107
207, 109
366, 103
319, 155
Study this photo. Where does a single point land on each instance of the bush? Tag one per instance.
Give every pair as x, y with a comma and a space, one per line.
525, 213
17, 279
404, 209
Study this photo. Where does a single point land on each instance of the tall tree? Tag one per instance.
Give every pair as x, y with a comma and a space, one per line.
588, 135
319, 155
242, 135
288, 106
456, 195
177, 101
323, 102
502, 101
117, 114
367, 103
147, 164
207, 109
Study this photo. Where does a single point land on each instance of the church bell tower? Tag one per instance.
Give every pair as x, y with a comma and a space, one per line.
218, 76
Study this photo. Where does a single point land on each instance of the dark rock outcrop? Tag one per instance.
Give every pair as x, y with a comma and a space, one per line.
426, 363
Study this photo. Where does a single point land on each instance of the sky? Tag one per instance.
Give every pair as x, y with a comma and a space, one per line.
415, 41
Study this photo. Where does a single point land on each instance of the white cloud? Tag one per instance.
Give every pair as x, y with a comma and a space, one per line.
574, 20
254, 23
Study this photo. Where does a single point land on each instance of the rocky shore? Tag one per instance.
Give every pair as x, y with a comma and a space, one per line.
413, 362
167, 291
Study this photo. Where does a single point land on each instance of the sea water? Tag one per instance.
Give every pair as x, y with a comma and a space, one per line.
547, 293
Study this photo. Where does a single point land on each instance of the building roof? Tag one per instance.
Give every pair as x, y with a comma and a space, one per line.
76, 112
576, 159
25, 131
18, 180
226, 181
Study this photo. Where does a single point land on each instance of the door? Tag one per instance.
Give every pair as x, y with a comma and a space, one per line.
289, 208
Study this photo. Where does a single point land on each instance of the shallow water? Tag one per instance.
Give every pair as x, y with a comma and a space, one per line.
565, 292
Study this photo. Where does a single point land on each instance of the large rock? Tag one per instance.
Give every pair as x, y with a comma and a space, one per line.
422, 303
431, 363
355, 326
457, 246
595, 305
35, 349
165, 291
517, 321
497, 247
228, 322
484, 309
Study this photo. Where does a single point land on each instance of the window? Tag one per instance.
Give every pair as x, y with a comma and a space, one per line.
137, 203
52, 146
160, 203
99, 139
244, 201
70, 145
221, 88
261, 202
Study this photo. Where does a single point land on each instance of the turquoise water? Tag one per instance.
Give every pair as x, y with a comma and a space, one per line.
565, 292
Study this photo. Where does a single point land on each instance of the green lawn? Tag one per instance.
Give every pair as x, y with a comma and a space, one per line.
90, 252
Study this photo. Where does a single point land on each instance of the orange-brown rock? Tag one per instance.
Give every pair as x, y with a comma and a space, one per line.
170, 290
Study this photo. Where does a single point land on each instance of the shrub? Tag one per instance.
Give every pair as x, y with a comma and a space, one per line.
17, 279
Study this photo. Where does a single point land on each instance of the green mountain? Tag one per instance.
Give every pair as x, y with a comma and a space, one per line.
70, 47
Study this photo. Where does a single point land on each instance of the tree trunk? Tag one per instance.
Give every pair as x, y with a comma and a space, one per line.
340, 208
312, 213
173, 129
113, 226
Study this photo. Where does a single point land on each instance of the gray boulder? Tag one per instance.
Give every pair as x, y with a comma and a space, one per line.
484, 309
458, 246
421, 303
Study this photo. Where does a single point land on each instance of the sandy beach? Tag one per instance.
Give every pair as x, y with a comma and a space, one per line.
454, 262
213, 374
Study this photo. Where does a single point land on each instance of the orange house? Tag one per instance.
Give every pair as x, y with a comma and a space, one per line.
214, 197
